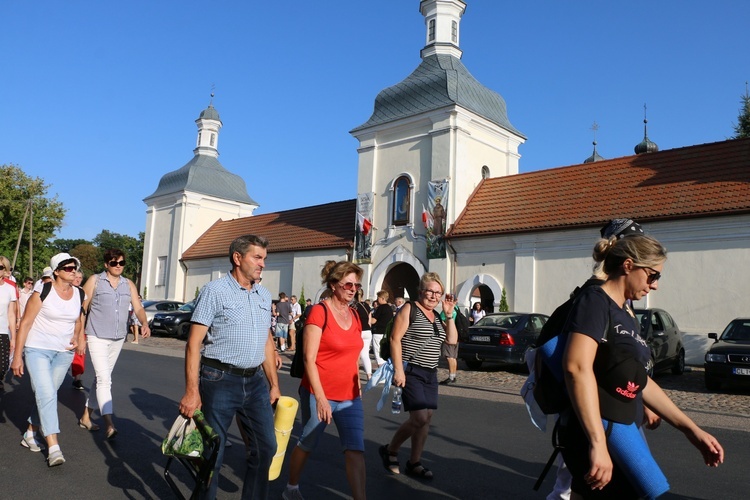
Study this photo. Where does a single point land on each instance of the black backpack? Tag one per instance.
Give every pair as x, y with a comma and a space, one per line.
385, 342
297, 370
550, 393
462, 326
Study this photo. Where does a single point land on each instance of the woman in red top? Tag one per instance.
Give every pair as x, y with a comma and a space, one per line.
330, 388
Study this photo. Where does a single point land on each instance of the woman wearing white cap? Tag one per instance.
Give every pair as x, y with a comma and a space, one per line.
46, 341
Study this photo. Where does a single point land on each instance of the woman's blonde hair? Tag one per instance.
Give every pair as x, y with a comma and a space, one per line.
609, 254
431, 278
333, 271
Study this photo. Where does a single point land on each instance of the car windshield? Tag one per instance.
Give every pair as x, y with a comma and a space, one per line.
737, 330
187, 307
500, 320
147, 303
641, 317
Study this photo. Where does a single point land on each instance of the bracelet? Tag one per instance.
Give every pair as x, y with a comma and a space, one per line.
444, 318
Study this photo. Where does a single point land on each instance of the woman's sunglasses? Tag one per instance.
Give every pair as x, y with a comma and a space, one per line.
351, 286
651, 276
115, 263
68, 269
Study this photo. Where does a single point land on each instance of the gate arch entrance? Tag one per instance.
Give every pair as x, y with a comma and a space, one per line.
401, 281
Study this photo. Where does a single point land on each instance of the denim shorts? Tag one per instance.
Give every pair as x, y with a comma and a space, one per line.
421, 389
282, 330
349, 417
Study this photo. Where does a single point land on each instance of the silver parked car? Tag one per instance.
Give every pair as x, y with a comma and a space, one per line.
154, 306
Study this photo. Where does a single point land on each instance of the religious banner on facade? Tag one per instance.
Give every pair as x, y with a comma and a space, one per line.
433, 218
363, 229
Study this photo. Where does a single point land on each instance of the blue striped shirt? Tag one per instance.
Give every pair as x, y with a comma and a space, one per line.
238, 321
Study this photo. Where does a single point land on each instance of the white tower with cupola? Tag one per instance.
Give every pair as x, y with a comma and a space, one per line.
438, 124
186, 203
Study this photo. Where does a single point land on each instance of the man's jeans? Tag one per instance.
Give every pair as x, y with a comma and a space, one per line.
223, 396
47, 371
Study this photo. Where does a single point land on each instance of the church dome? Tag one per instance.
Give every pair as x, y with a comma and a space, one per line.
595, 156
209, 113
440, 80
646, 145
204, 174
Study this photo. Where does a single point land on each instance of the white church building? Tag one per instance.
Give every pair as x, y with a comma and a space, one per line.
439, 190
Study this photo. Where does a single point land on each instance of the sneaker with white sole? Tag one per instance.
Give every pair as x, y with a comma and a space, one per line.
55, 458
292, 494
31, 443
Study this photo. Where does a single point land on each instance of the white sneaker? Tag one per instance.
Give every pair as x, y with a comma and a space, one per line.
292, 494
283, 348
31, 443
55, 458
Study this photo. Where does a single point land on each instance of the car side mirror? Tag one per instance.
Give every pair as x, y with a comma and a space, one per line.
713, 336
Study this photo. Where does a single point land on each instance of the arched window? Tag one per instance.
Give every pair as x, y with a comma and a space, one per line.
485, 172
401, 201
431, 31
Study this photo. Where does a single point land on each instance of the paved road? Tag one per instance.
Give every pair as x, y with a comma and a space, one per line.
481, 445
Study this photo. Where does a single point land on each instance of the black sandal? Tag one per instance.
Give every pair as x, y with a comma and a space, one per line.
416, 469
390, 460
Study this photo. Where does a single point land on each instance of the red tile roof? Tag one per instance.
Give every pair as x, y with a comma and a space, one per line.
321, 226
695, 181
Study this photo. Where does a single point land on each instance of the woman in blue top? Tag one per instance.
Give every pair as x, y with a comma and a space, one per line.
604, 365
109, 295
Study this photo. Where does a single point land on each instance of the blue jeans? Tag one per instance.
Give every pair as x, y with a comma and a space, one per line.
225, 395
47, 371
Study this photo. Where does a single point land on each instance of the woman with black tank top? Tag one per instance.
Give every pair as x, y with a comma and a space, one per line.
418, 344
604, 365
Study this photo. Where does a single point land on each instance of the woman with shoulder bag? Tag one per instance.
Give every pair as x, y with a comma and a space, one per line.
330, 388
604, 365
46, 339
418, 343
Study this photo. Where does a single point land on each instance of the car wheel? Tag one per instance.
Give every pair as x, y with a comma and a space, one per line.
712, 383
679, 365
184, 331
473, 363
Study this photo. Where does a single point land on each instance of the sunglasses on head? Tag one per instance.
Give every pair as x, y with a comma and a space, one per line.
351, 286
651, 276
68, 269
115, 263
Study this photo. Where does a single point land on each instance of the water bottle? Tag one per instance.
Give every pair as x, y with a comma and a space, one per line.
396, 403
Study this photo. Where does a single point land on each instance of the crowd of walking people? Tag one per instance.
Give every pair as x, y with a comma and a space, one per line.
232, 361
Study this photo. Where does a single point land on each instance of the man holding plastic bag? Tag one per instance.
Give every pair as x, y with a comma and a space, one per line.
224, 376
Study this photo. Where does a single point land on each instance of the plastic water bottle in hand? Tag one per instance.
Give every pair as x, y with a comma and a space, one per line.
396, 403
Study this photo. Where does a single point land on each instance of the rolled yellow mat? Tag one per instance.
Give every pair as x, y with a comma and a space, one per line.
283, 421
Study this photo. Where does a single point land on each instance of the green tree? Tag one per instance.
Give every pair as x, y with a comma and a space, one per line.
503, 306
66, 245
742, 128
19, 191
90, 257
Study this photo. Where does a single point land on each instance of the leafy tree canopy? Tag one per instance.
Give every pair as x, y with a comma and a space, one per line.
742, 128
19, 190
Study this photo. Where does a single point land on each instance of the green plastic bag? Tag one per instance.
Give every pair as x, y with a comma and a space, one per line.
184, 439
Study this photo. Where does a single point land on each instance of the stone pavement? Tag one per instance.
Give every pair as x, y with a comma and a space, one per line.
502, 383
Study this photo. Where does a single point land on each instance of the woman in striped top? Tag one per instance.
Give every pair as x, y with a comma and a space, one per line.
418, 344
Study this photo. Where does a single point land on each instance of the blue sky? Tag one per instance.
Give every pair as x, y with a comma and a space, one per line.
99, 98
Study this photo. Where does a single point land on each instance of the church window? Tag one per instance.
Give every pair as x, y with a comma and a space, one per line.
431, 31
161, 271
485, 172
454, 32
213, 139
199, 138
401, 201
